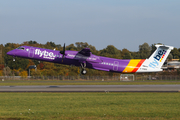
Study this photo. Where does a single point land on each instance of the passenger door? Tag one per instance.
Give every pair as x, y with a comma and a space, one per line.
115, 66
31, 53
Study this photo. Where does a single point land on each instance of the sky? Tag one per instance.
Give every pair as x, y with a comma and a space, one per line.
122, 23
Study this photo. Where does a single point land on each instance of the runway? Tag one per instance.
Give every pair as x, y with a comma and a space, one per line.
92, 88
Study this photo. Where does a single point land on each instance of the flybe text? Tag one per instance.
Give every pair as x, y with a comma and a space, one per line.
157, 58
154, 64
160, 55
45, 54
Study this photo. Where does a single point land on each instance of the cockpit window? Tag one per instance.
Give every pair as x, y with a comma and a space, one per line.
20, 48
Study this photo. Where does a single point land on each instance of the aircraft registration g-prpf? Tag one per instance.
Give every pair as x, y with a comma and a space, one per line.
86, 59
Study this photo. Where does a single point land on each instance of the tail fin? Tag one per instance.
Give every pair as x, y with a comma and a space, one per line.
156, 60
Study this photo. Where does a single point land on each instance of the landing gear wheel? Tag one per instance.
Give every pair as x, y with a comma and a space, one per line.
83, 66
83, 72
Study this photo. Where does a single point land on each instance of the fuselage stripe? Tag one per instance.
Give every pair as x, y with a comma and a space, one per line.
132, 64
138, 65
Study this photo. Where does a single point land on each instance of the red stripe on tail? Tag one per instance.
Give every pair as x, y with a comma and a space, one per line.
138, 65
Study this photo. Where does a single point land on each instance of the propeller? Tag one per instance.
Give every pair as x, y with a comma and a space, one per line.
63, 52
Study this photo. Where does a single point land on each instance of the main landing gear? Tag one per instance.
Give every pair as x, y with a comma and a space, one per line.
83, 71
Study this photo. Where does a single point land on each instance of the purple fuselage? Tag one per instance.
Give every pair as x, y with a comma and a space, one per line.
70, 58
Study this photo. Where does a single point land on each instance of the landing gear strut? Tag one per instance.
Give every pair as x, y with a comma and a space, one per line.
14, 59
83, 65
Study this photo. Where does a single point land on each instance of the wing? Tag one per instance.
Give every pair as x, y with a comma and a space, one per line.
85, 52
85, 55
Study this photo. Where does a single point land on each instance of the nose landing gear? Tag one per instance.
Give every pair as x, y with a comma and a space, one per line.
14, 59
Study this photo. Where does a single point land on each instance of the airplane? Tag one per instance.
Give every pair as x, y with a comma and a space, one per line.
86, 59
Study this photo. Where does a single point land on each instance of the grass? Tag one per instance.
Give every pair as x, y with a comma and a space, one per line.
57, 82
138, 106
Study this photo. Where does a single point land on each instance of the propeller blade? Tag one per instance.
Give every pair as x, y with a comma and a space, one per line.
63, 52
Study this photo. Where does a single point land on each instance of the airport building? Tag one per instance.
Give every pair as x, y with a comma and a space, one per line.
171, 65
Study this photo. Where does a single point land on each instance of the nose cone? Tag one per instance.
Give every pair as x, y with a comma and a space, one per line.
10, 53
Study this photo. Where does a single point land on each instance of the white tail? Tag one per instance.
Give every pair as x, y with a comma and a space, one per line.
156, 60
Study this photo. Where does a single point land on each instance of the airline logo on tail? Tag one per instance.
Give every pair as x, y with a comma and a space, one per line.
160, 55
157, 58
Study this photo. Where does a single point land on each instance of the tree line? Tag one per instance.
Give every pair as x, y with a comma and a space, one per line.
8, 67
